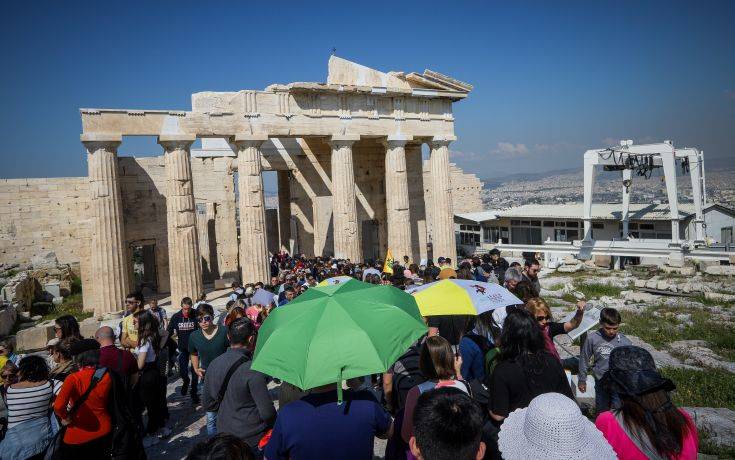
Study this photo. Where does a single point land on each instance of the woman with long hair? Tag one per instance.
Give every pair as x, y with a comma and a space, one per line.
647, 425
441, 368
525, 368
148, 388
66, 326
28, 402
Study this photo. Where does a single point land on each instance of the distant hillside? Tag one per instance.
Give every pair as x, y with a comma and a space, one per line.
497, 181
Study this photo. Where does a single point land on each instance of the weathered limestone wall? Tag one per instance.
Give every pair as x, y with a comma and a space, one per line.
143, 186
466, 192
41, 215
311, 205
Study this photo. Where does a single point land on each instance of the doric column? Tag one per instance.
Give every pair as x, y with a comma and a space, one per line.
443, 238
184, 260
396, 197
344, 205
254, 264
417, 201
284, 210
108, 253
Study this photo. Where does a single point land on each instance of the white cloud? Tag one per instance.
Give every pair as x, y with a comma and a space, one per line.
510, 149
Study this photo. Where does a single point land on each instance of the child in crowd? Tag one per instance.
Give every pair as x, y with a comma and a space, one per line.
599, 345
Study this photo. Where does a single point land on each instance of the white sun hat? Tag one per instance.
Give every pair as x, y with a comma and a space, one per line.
552, 427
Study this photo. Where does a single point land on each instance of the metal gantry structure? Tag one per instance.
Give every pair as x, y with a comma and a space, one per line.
642, 160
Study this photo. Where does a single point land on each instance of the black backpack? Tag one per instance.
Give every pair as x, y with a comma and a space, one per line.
402, 383
127, 443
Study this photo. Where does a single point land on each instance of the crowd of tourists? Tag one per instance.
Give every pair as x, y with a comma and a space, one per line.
487, 386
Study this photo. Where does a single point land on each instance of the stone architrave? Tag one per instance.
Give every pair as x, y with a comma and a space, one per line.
254, 264
284, 210
443, 238
396, 196
185, 266
109, 267
346, 234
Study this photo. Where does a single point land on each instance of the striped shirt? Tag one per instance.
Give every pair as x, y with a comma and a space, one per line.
30, 403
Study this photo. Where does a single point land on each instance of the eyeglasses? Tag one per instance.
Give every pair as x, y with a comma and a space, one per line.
205, 318
543, 318
130, 302
57, 328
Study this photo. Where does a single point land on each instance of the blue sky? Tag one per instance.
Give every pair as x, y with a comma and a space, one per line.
551, 78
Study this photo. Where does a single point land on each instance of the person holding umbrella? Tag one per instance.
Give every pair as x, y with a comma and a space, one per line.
325, 336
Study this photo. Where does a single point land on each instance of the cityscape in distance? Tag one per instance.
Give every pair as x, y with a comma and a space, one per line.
566, 186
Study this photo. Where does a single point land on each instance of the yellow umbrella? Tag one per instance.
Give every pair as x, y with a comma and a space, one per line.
462, 297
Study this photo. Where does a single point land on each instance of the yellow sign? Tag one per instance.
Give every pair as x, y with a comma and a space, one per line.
388, 266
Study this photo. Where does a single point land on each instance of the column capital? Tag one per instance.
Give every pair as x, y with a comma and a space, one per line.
343, 140
100, 141
176, 141
442, 141
250, 139
396, 141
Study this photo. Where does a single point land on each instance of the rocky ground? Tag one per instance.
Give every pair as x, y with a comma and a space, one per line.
685, 319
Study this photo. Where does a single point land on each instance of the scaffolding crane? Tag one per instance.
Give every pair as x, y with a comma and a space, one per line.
643, 159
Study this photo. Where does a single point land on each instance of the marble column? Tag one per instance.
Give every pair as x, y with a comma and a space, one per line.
396, 197
347, 244
184, 259
108, 253
443, 238
284, 210
254, 263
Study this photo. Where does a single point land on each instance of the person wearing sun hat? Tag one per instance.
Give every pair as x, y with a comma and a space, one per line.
552, 427
647, 425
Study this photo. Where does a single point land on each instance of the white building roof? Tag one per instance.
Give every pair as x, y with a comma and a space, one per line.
601, 211
480, 216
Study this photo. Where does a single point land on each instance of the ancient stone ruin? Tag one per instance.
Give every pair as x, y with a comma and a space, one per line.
352, 182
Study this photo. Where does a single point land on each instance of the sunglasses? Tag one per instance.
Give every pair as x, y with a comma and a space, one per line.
205, 318
542, 318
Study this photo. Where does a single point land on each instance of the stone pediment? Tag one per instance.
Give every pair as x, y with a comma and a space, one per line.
347, 73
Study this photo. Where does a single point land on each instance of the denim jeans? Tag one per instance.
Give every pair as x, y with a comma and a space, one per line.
211, 423
184, 369
604, 400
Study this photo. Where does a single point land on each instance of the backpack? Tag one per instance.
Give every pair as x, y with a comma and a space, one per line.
492, 357
127, 443
403, 382
489, 351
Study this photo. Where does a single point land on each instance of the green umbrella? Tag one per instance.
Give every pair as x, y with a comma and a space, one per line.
337, 332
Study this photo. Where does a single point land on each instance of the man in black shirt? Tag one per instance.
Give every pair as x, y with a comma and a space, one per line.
183, 323
492, 262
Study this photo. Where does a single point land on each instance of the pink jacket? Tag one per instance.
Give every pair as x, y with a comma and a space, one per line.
625, 448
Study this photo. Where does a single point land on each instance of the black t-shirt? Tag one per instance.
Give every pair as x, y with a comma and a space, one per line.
556, 329
513, 387
451, 327
183, 328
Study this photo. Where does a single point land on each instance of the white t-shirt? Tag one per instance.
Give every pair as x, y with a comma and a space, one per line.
150, 353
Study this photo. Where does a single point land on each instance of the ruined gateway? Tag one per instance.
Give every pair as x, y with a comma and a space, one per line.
352, 182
